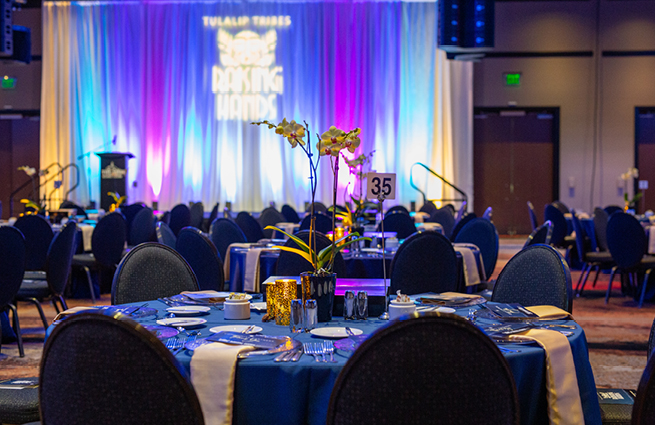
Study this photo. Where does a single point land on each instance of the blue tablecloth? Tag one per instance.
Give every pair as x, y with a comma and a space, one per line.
272, 393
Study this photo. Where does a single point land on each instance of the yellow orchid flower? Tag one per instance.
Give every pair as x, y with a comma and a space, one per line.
279, 129
294, 133
352, 140
331, 142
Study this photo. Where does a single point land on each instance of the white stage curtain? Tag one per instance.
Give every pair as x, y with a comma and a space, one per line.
141, 73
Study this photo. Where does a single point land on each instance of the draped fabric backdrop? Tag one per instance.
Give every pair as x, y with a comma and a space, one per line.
178, 83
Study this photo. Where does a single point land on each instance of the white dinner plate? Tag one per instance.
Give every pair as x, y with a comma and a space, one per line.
205, 295
334, 332
181, 322
188, 310
235, 328
258, 306
426, 309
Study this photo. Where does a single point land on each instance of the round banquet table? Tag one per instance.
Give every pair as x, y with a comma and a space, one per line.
267, 392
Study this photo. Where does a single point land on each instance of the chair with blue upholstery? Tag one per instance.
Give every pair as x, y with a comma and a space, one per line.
180, 218
536, 275
165, 235
428, 207
270, 217
142, 228
250, 227
438, 363
445, 217
425, 262
150, 271
290, 214
201, 254
130, 211
225, 232
541, 235
12, 268
58, 268
38, 235
319, 207
212, 216
533, 216
561, 207
461, 223
628, 244
560, 228
107, 369
611, 209
588, 257
483, 234
197, 215
323, 223
397, 208
290, 264
601, 218
400, 223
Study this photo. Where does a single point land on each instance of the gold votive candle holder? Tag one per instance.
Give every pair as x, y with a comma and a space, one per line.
271, 297
285, 292
339, 233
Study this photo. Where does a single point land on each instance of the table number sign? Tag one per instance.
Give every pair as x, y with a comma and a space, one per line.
381, 185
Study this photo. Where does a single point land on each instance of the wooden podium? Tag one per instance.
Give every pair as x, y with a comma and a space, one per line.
113, 176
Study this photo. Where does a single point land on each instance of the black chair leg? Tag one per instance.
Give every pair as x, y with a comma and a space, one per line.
88, 278
609, 286
579, 284
584, 281
62, 300
19, 337
596, 278
38, 307
643, 287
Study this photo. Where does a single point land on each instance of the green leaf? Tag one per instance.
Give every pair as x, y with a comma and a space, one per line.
303, 254
296, 239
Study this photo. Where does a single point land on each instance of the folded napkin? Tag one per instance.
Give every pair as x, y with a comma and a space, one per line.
469, 264
87, 233
420, 216
73, 310
226, 261
651, 240
251, 272
212, 375
563, 394
549, 312
208, 296
448, 297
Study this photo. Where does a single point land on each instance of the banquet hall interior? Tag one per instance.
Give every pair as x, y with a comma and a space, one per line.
173, 131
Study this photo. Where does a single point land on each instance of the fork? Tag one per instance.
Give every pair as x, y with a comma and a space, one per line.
309, 349
320, 348
329, 349
179, 345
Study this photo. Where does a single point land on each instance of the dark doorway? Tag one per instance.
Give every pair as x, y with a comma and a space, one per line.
516, 160
644, 154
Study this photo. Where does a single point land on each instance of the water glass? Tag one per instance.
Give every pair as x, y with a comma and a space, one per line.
296, 318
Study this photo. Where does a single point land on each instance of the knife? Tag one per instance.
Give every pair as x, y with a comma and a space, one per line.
297, 356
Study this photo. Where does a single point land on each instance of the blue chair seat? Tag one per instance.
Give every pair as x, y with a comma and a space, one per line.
84, 260
33, 289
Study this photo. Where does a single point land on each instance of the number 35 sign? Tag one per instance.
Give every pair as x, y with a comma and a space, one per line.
381, 185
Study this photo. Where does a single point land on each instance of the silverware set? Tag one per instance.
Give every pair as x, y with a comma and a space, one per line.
319, 350
175, 345
289, 356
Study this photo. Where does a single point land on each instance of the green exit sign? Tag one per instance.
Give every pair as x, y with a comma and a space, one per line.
7, 83
513, 79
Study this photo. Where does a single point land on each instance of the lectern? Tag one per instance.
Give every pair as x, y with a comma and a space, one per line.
113, 176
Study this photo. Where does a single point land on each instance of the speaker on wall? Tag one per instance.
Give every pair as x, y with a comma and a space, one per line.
6, 30
466, 25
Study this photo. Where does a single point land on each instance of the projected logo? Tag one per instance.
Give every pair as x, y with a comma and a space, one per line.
248, 82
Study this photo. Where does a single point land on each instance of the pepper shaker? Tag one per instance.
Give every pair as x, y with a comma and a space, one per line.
311, 314
362, 305
349, 305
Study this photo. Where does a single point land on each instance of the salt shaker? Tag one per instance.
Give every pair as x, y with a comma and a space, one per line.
296, 316
362, 305
311, 314
349, 307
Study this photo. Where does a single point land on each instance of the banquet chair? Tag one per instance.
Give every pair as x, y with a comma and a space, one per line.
130, 211
651, 341
197, 215
201, 254
107, 369
323, 223
396, 209
561, 207
601, 218
12, 268
165, 235
400, 223
533, 216
225, 232
587, 257
611, 209
443, 216
536, 275
541, 235
270, 217
58, 269
428, 207
290, 264
434, 366
461, 212
150, 271
212, 216
79, 211
483, 234
20, 406
425, 262
560, 228
461, 223
643, 409
38, 235
319, 207
107, 245
488, 214
628, 244
180, 218
290, 214
250, 227
142, 228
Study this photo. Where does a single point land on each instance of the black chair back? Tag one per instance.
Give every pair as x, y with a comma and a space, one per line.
461, 212
60, 257
143, 227
98, 369
250, 227
611, 209
197, 215
541, 235
400, 223
150, 271
438, 363
460, 225
38, 235
560, 229
319, 207
108, 239
537, 275
484, 235
225, 232
444, 216
425, 262
165, 235
270, 217
180, 218
626, 240
323, 223
201, 254
130, 211
582, 243
601, 218
12, 263
212, 216
651, 341
397, 209
290, 214
643, 409
428, 207
533, 216
290, 264
560, 206
72, 205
